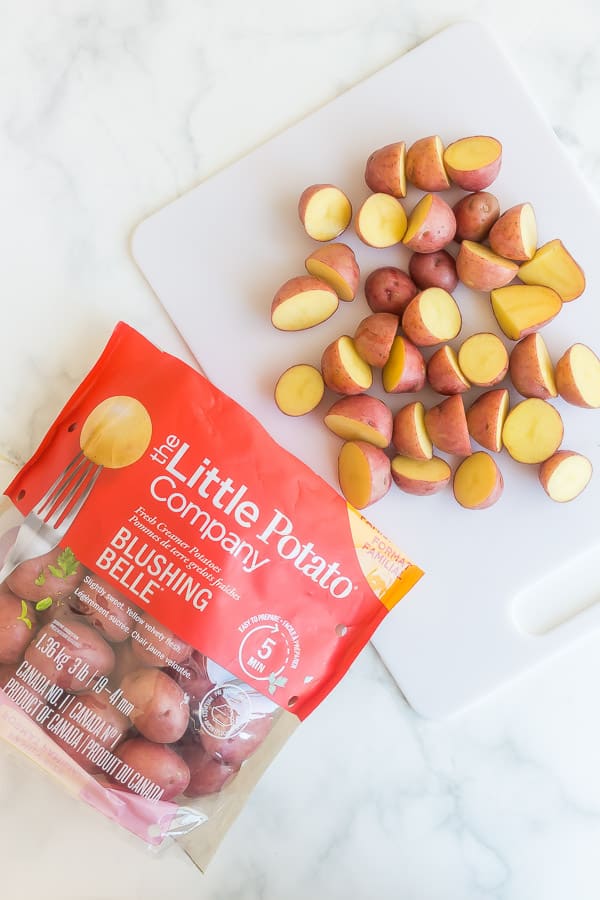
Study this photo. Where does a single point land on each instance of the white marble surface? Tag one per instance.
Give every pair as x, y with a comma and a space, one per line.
107, 111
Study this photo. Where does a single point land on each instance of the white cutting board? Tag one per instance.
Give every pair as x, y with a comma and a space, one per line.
215, 258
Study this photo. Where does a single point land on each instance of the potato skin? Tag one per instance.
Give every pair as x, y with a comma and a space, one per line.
374, 337
365, 410
384, 170
199, 682
208, 775
22, 581
447, 426
15, 635
424, 165
436, 269
234, 750
437, 230
475, 214
160, 764
71, 639
525, 370
389, 289
161, 710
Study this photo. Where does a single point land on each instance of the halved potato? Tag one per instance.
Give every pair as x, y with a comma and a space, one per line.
533, 431
299, 390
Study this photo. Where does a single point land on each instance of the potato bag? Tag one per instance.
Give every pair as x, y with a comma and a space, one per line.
208, 595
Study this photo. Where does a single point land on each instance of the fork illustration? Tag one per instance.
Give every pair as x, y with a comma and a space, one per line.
50, 519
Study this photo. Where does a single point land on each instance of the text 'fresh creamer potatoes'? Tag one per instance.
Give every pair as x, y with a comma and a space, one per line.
195, 593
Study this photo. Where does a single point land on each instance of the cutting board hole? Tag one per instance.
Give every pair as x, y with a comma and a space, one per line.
559, 596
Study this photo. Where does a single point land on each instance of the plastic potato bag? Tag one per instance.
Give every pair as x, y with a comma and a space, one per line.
207, 593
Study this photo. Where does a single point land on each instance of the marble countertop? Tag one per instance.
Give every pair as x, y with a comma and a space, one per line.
107, 111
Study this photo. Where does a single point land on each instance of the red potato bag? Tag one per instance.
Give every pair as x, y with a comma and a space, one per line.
208, 595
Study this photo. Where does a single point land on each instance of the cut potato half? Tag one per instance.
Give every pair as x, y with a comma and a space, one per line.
299, 390
565, 475
381, 221
553, 266
420, 476
533, 431
521, 309
483, 359
478, 481
578, 377
302, 302
364, 473
325, 211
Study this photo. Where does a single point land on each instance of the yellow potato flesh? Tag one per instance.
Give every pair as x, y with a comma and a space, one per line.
417, 217
472, 153
546, 366
554, 267
331, 276
475, 480
440, 314
304, 310
489, 255
360, 371
528, 229
421, 431
352, 430
483, 359
521, 308
299, 390
585, 367
569, 478
327, 214
382, 221
392, 371
431, 470
116, 433
533, 431
355, 476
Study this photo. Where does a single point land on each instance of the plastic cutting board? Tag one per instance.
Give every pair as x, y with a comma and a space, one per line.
506, 587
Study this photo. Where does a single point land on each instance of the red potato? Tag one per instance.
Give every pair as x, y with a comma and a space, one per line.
475, 214
101, 724
486, 417
531, 369
533, 431
361, 418
444, 374
207, 774
234, 749
17, 626
299, 390
302, 302
431, 225
344, 370
103, 606
336, 265
521, 309
385, 172
409, 435
436, 269
374, 337
480, 268
478, 482
71, 654
431, 317
161, 711
514, 235
565, 475
483, 359
199, 682
380, 221
554, 267
404, 372
157, 763
325, 211
364, 473
446, 425
578, 377
156, 645
389, 289
473, 162
425, 164
54, 574
125, 662
420, 476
